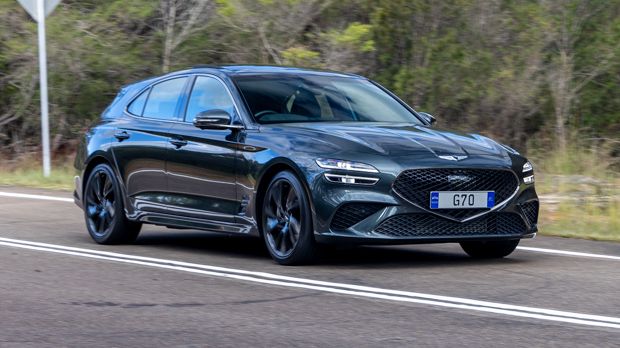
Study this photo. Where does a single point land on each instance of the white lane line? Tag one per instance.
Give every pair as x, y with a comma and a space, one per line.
339, 288
23, 195
569, 253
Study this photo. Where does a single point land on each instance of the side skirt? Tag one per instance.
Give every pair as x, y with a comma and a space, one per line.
192, 223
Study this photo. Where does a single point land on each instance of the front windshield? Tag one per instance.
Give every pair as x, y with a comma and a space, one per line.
309, 98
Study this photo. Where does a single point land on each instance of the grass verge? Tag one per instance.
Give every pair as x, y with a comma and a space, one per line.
579, 193
587, 218
61, 178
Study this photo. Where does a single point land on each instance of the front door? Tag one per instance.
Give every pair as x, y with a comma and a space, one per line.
201, 163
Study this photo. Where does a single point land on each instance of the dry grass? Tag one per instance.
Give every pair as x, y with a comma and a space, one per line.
580, 195
28, 172
582, 218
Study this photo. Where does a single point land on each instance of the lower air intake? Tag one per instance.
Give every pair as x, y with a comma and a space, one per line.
427, 225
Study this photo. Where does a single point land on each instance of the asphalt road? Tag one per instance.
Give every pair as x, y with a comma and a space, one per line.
194, 289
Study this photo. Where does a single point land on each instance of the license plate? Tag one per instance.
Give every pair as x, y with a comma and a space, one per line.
462, 199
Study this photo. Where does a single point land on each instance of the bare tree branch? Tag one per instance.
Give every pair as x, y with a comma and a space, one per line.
182, 18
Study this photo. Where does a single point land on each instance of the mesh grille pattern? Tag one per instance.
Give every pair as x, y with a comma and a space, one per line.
351, 213
428, 225
530, 209
416, 185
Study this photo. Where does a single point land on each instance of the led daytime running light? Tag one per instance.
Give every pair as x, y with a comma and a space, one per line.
346, 179
346, 165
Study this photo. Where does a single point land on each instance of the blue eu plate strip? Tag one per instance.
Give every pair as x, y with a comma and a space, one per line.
490, 199
434, 200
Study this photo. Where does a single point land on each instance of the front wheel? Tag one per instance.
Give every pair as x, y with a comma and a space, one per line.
287, 222
104, 211
490, 249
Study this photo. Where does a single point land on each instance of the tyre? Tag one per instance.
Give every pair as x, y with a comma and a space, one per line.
490, 249
287, 222
104, 211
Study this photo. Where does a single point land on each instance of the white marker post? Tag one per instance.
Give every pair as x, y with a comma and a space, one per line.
38, 10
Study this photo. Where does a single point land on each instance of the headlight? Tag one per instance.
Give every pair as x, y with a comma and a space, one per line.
527, 167
346, 165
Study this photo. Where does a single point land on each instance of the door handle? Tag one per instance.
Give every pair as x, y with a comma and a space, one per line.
121, 136
178, 142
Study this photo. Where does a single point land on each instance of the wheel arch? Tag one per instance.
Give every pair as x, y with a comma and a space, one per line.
93, 162
276, 166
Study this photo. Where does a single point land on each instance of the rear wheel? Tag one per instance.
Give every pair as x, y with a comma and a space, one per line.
104, 211
490, 249
287, 222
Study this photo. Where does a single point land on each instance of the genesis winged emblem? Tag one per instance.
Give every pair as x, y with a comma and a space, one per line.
453, 157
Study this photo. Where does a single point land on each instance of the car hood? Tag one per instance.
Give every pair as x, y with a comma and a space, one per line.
403, 139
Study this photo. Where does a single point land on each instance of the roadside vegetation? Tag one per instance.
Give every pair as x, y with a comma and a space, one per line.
28, 172
538, 75
579, 193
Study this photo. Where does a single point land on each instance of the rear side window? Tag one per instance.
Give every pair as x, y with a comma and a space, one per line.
137, 106
163, 99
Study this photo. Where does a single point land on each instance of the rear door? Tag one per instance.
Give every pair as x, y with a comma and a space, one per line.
201, 163
142, 139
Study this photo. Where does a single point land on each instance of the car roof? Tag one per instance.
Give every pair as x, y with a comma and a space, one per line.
264, 69
236, 70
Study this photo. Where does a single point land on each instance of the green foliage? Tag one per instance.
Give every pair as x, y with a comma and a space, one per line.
302, 57
356, 36
480, 66
226, 8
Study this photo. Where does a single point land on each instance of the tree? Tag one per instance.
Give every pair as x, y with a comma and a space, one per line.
180, 19
275, 24
568, 70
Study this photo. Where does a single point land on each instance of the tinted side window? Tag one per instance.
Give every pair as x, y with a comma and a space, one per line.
137, 106
208, 94
163, 99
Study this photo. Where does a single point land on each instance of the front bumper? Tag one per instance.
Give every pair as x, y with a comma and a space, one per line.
390, 226
378, 215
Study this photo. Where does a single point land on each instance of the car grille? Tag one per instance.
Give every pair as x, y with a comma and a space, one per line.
428, 225
416, 185
352, 213
530, 209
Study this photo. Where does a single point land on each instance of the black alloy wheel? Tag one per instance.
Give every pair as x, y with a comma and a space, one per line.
490, 249
104, 211
286, 222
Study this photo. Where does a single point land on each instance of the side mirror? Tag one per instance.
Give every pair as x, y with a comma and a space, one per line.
428, 117
214, 119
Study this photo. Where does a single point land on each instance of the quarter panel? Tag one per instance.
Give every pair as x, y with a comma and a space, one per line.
95, 142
